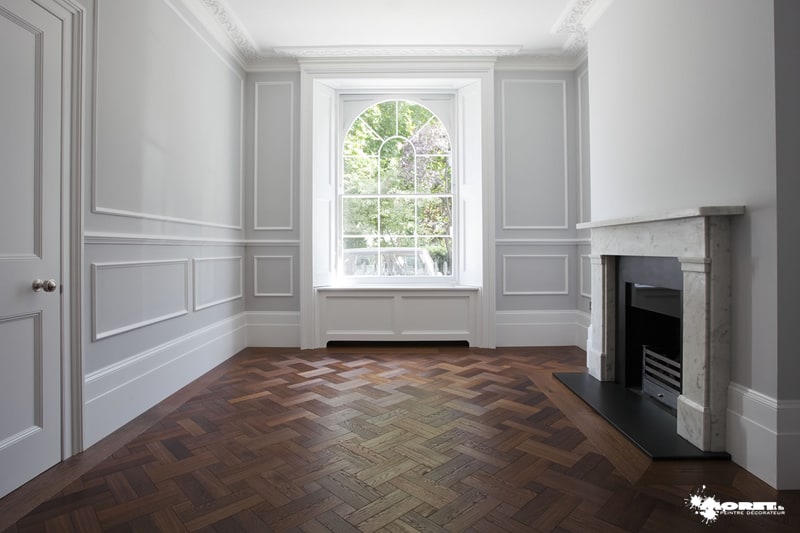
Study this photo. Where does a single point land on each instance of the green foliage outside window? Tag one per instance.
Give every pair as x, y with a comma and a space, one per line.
397, 193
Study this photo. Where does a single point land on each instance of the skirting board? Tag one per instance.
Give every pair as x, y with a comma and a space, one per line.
542, 328
119, 393
278, 329
763, 435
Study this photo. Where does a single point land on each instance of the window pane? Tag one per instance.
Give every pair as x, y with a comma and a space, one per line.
361, 140
397, 216
351, 243
359, 259
435, 216
360, 216
406, 262
397, 241
360, 175
382, 118
410, 118
432, 139
397, 167
440, 249
434, 174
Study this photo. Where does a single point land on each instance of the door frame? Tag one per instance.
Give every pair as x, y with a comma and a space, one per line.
74, 56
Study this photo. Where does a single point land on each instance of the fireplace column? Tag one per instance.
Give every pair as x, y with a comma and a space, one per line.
706, 344
601, 348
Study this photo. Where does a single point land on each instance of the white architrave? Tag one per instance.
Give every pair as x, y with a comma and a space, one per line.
473, 82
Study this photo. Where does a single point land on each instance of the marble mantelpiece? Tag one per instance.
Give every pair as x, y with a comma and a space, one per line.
700, 239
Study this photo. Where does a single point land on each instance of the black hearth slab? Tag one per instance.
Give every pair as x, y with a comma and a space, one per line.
649, 426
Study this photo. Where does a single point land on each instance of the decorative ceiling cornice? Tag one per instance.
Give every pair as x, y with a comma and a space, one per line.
244, 43
571, 22
396, 51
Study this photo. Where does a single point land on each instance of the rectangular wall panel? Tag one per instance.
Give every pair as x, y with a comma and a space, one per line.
358, 315
534, 154
169, 119
274, 156
535, 274
436, 314
274, 275
586, 276
217, 280
131, 295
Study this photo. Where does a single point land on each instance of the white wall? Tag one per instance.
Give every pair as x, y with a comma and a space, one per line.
688, 121
683, 114
164, 262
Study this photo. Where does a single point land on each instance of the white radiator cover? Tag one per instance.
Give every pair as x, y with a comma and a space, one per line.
397, 314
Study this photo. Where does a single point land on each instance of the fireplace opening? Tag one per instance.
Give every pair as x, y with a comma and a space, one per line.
649, 332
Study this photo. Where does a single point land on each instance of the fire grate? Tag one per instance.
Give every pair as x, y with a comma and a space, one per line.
661, 376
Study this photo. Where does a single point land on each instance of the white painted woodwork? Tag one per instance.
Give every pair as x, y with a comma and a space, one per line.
390, 314
30, 241
542, 328
323, 188
469, 171
119, 392
472, 84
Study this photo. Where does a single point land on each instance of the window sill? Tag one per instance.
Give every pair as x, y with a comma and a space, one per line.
396, 287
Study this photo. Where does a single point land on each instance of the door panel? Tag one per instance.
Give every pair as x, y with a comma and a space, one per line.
30, 242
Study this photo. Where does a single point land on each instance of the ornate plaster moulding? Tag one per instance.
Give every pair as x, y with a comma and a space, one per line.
233, 28
396, 51
576, 20
572, 22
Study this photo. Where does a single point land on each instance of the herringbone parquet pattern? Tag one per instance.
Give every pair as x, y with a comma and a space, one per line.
393, 440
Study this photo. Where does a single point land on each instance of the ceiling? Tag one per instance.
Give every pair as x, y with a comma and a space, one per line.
340, 28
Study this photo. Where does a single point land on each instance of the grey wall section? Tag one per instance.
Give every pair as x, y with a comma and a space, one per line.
668, 131
539, 163
272, 197
787, 112
164, 259
141, 296
168, 125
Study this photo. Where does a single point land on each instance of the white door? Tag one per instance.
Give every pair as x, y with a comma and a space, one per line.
30, 245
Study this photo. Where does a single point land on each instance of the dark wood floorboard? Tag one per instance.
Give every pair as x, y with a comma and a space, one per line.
389, 439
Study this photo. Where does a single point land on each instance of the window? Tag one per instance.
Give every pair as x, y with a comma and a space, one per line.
396, 194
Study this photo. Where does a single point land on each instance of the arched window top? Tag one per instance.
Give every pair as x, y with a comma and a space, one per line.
401, 119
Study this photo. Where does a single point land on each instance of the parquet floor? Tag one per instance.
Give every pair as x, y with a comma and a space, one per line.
399, 439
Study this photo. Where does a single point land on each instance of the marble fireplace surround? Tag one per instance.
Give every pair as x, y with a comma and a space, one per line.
700, 239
